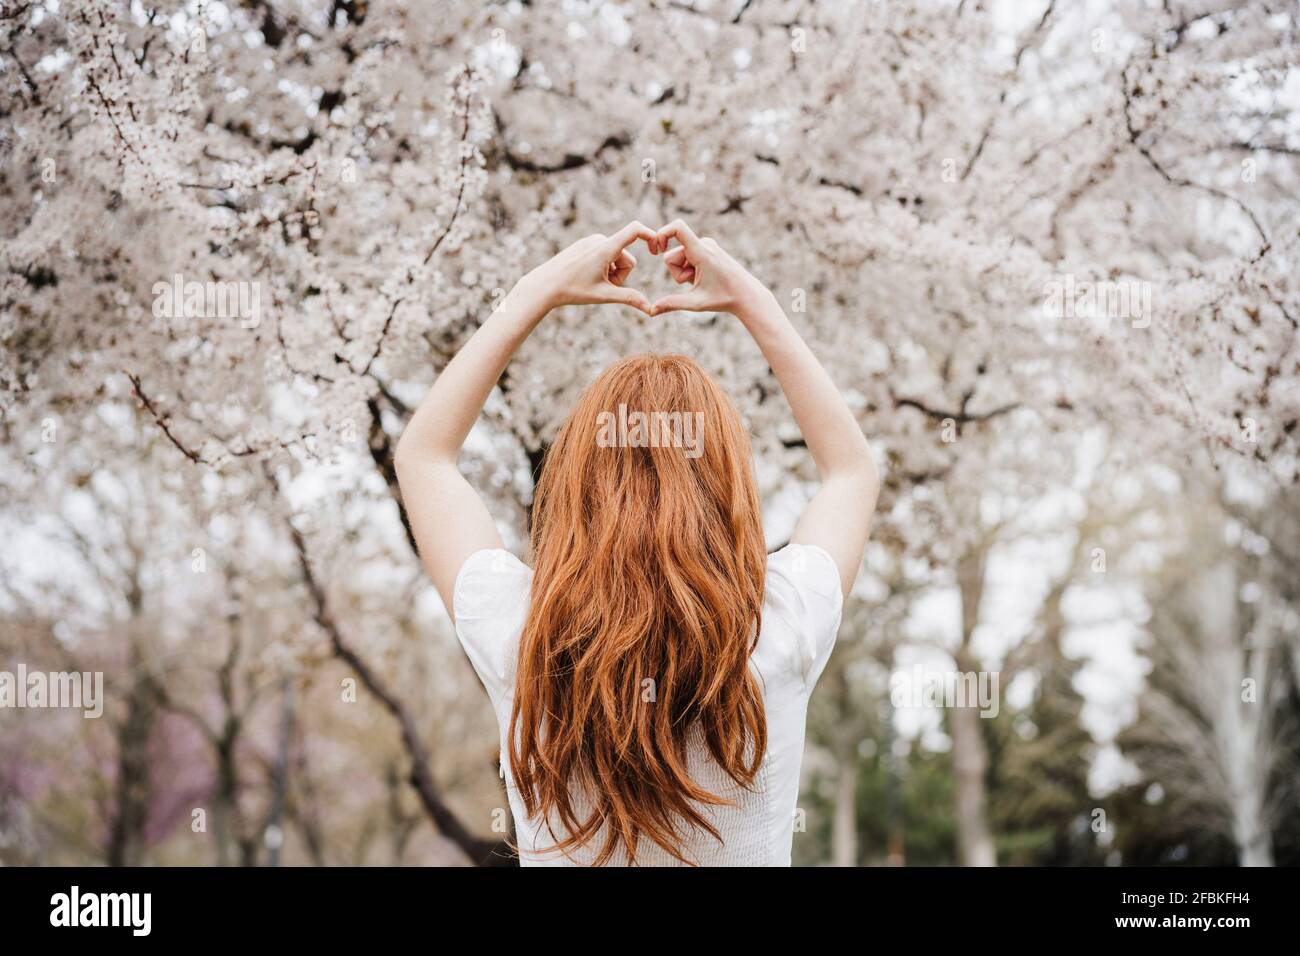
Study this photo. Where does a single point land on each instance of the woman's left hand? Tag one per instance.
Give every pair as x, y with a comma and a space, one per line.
593, 270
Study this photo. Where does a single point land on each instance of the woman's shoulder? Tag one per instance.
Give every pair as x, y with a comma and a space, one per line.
802, 606
490, 604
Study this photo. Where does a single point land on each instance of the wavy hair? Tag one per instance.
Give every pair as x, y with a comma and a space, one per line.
646, 605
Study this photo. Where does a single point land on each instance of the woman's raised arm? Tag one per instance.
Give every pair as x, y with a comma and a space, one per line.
447, 516
839, 516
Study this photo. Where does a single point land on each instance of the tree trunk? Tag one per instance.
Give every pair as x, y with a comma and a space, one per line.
274, 830
970, 764
1256, 850
226, 805
1243, 732
844, 819
133, 786
895, 831
970, 759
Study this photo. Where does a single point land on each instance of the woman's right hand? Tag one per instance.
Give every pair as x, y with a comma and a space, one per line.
718, 282
591, 271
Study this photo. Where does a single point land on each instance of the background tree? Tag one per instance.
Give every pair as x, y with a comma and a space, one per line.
949, 198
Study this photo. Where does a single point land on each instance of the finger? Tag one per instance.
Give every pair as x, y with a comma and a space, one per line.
677, 257
682, 275
680, 267
621, 268
677, 229
632, 297
631, 233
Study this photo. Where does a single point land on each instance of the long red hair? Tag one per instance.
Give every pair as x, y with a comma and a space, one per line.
646, 604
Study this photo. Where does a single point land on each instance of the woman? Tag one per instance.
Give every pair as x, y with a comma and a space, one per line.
651, 672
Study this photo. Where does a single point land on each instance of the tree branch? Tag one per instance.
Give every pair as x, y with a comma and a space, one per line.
482, 852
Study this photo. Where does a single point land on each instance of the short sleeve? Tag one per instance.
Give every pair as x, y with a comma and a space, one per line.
490, 604
804, 591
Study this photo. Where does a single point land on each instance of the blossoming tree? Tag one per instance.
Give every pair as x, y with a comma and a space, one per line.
265, 226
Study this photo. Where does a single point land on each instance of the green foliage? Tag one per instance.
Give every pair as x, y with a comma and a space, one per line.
1039, 804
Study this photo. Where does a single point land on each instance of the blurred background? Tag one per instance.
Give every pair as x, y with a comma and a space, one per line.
1048, 250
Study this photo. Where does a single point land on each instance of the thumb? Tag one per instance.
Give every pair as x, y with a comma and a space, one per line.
684, 301
632, 297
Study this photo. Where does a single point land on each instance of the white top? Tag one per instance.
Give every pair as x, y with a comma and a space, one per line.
801, 614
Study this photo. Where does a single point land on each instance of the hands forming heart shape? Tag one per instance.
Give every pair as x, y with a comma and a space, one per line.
595, 269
